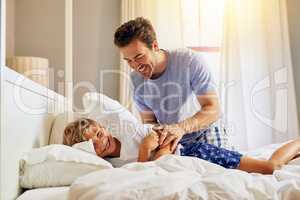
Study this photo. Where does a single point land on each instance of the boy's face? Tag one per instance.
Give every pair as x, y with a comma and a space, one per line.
140, 58
103, 141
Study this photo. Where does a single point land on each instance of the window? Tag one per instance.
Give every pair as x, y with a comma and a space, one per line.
203, 29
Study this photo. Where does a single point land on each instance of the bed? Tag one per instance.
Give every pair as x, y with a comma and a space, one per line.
171, 177
56, 193
29, 111
179, 177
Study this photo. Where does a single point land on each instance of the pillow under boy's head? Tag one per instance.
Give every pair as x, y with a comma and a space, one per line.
86, 146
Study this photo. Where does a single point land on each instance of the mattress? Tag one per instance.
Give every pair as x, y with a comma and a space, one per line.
50, 193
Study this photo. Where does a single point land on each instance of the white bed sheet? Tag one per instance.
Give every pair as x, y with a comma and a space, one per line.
51, 193
178, 177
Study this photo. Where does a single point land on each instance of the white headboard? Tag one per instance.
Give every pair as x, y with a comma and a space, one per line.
29, 110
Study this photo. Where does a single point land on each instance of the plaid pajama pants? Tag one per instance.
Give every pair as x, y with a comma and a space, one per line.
216, 134
209, 145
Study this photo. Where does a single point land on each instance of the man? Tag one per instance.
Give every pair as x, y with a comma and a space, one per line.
164, 80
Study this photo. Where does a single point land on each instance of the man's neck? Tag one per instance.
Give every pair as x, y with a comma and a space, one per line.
162, 60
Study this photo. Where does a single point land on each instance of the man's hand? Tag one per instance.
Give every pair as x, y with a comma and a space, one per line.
169, 134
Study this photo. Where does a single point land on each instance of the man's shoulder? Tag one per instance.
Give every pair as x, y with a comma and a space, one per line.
182, 52
183, 56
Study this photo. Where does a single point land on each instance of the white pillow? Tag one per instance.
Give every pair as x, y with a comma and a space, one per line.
112, 115
57, 165
59, 124
86, 146
99, 106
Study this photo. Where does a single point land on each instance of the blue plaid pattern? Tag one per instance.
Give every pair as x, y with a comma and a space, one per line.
216, 134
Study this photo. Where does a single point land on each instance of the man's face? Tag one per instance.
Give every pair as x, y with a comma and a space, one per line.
140, 58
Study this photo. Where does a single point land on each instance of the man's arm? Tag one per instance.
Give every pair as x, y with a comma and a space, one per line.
148, 117
209, 113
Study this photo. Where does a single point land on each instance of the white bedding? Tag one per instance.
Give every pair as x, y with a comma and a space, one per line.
176, 177
51, 193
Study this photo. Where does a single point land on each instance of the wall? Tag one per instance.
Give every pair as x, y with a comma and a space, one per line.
39, 31
10, 28
94, 52
294, 28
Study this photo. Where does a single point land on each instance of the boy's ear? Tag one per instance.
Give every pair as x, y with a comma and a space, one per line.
155, 46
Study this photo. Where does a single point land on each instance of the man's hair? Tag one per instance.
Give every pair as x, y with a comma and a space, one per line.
139, 28
74, 131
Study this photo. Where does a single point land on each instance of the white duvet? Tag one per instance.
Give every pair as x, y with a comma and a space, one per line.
178, 177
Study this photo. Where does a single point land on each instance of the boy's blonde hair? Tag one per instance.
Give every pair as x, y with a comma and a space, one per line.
74, 131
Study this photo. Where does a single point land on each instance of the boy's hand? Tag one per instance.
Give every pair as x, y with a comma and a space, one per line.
150, 142
169, 135
163, 151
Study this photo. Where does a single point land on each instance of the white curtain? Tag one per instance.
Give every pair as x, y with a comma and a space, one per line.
257, 86
165, 17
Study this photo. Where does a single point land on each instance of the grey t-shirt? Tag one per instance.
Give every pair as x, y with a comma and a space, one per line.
186, 75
